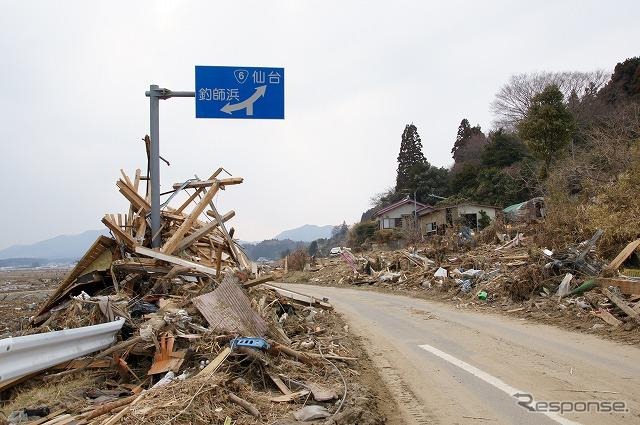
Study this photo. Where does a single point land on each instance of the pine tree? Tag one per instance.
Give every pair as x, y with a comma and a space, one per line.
548, 126
470, 141
410, 156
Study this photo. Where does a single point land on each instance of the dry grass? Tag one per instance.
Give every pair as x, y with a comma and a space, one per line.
53, 394
599, 188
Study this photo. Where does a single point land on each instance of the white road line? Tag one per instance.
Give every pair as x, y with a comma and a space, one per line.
490, 379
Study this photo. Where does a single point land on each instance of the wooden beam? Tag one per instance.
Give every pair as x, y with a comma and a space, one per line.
202, 231
622, 304
120, 234
258, 281
209, 183
627, 286
171, 245
229, 239
196, 193
215, 364
132, 196
623, 255
175, 260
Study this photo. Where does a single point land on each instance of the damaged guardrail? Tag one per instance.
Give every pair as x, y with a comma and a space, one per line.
20, 356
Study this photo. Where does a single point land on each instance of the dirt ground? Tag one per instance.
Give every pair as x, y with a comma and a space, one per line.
366, 402
21, 291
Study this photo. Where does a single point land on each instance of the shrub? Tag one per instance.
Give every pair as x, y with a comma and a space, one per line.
298, 259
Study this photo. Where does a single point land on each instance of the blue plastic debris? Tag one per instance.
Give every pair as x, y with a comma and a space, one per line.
257, 343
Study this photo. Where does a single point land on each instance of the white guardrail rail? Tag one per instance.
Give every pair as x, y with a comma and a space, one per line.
22, 355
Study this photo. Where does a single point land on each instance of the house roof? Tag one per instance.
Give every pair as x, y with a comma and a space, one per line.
426, 211
400, 203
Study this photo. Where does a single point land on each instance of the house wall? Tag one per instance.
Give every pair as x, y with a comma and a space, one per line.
473, 209
438, 217
398, 212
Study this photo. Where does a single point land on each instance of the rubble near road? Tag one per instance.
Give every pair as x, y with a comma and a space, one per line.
184, 334
503, 269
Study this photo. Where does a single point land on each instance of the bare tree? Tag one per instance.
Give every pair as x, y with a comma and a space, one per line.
514, 98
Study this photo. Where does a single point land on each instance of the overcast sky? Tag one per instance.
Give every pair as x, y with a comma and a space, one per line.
73, 109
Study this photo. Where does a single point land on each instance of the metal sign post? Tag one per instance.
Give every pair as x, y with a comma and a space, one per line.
154, 94
223, 92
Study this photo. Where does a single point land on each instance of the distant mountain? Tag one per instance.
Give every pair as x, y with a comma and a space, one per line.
63, 246
306, 233
272, 249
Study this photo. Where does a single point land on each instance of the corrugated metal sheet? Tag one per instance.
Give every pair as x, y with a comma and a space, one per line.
23, 355
228, 308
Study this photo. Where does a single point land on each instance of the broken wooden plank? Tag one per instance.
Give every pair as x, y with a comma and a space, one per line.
171, 245
225, 233
300, 297
215, 364
279, 383
186, 203
623, 255
289, 397
607, 317
175, 260
626, 286
119, 234
621, 304
202, 231
137, 201
258, 281
208, 183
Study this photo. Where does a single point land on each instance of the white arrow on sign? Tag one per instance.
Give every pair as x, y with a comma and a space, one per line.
247, 103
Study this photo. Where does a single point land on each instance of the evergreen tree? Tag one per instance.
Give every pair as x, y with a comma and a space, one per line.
548, 126
503, 150
409, 157
468, 141
313, 248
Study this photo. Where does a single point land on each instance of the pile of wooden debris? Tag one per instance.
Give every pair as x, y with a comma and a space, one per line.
180, 334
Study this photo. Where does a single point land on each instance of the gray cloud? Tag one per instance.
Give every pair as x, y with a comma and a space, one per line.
74, 73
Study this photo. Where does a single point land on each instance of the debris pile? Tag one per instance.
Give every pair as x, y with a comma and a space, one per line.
510, 273
187, 333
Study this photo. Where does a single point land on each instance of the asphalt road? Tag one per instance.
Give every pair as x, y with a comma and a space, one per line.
450, 366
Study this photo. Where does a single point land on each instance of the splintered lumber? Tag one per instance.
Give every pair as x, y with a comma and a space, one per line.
108, 407
175, 260
623, 255
608, 317
626, 286
202, 231
196, 193
209, 183
244, 404
622, 305
297, 355
225, 233
258, 281
289, 397
300, 298
137, 201
171, 245
120, 234
281, 385
215, 364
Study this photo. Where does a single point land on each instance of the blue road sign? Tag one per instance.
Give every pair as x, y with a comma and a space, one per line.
239, 92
